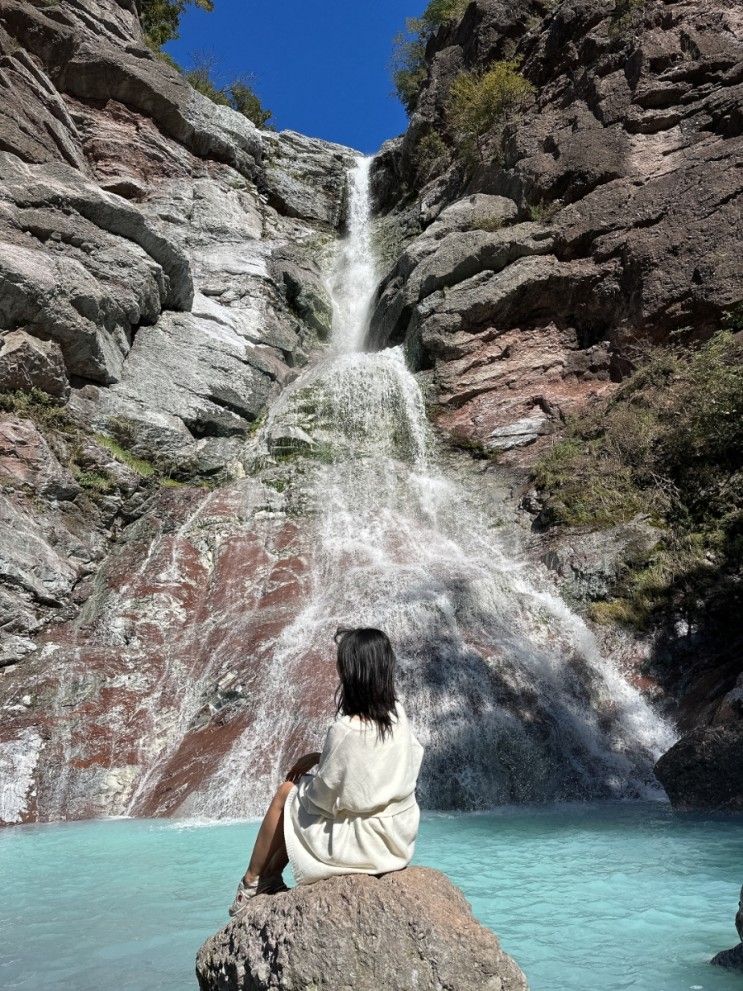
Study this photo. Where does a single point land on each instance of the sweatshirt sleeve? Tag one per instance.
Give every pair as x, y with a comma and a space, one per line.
324, 787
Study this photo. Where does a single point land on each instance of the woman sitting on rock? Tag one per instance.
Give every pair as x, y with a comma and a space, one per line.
357, 813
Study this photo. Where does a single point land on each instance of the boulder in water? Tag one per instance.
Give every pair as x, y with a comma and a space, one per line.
704, 770
407, 929
733, 958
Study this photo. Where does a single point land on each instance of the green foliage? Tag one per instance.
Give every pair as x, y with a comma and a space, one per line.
238, 94
478, 103
97, 482
543, 212
143, 468
43, 409
431, 157
409, 69
733, 319
623, 14
160, 19
200, 77
440, 12
246, 101
668, 445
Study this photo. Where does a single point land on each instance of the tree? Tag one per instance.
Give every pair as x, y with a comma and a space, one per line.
160, 19
243, 98
238, 94
409, 69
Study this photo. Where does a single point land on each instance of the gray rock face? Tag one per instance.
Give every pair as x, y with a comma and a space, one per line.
82, 266
624, 187
304, 177
157, 252
733, 958
94, 50
29, 363
409, 929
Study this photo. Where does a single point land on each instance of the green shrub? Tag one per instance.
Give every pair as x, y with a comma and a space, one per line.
622, 15
733, 319
143, 468
245, 100
543, 212
669, 445
409, 69
36, 405
238, 94
480, 102
201, 77
440, 12
160, 19
95, 481
431, 157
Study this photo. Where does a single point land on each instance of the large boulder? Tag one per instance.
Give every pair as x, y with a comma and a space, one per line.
704, 770
408, 929
29, 363
733, 958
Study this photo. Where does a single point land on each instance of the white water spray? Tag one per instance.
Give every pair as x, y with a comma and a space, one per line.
506, 687
354, 278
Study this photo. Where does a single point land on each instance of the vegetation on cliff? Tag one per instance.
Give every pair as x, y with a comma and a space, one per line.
482, 102
668, 445
161, 18
160, 21
409, 69
237, 94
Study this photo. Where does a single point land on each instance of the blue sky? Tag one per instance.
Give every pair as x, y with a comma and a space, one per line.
322, 66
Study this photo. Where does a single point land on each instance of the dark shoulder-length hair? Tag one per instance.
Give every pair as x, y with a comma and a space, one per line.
366, 665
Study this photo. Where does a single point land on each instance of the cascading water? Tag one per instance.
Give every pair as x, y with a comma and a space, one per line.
506, 687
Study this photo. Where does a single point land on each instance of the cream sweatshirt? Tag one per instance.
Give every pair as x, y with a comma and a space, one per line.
358, 812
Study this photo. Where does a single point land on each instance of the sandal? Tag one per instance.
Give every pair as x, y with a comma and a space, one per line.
273, 884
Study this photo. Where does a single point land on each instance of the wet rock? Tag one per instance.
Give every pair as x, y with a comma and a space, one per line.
27, 362
733, 958
306, 178
704, 770
407, 929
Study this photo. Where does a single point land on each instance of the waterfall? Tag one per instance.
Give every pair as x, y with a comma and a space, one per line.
506, 687
354, 278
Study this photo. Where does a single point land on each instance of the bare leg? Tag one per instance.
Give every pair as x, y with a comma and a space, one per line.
269, 853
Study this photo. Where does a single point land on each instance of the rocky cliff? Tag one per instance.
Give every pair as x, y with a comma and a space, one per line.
161, 276
600, 218
408, 929
163, 279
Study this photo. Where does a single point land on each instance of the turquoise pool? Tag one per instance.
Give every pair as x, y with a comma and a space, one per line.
587, 898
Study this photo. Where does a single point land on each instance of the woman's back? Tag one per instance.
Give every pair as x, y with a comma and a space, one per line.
362, 772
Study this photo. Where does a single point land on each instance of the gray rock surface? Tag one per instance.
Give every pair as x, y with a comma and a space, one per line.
622, 174
589, 563
408, 929
733, 958
27, 363
158, 253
